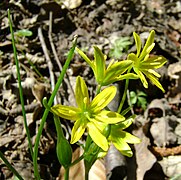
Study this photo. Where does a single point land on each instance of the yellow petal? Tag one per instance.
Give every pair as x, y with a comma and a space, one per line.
109, 117
84, 57
154, 73
153, 62
142, 77
138, 43
67, 112
116, 70
120, 140
128, 76
148, 44
81, 93
129, 138
103, 99
123, 147
97, 137
77, 130
154, 80
99, 64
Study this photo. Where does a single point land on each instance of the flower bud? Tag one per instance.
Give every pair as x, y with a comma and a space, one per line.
64, 152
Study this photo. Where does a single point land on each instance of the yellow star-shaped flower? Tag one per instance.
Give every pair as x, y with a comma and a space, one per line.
112, 73
89, 114
143, 65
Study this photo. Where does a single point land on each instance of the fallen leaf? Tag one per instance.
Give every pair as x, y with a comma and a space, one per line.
144, 158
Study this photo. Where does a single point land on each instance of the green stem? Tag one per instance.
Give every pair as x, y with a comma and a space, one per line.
77, 160
86, 175
19, 85
124, 96
50, 102
58, 128
66, 175
10, 166
98, 89
87, 169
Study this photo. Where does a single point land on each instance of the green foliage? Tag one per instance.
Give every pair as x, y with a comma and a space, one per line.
23, 33
138, 98
120, 45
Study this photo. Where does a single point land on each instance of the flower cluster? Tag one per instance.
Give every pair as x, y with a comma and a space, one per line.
92, 115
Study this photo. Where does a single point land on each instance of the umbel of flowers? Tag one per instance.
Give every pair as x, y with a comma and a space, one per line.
104, 126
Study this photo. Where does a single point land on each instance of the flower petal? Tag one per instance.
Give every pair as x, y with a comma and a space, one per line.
154, 80
142, 77
103, 99
129, 138
154, 73
120, 140
153, 62
148, 44
81, 93
116, 70
128, 76
138, 43
97, 137
109, 117
67, 112
99, 64
122, 146
85, 57
77, 130
124, 124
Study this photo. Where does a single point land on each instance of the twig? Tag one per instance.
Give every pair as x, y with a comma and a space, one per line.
28, 108
55, 53
49, 63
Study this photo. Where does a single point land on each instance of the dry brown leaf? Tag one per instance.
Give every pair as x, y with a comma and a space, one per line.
144, 158
174, 72
97, 171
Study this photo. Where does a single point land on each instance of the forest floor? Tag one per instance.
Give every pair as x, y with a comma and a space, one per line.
107, 24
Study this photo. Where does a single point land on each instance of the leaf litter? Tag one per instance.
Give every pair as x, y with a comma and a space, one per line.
95, 22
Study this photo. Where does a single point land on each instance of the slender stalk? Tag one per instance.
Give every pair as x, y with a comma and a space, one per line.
19, 85
98, 89
77, 160
58, 128
124, 96
87, 169
66, 175
10, 166
86, 175
50, 102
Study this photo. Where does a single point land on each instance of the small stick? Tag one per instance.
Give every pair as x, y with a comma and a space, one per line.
55, 53
49, 63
